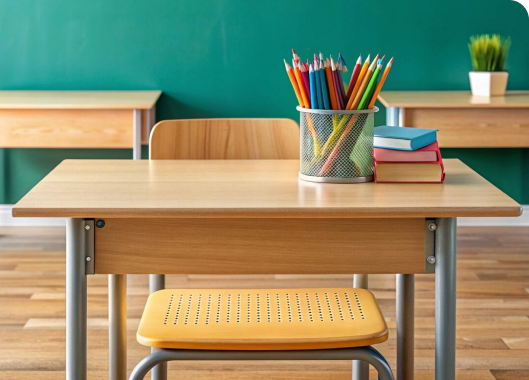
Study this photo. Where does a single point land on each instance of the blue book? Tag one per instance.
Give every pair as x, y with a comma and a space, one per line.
402, 138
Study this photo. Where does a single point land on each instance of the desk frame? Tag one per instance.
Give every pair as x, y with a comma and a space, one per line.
81, 245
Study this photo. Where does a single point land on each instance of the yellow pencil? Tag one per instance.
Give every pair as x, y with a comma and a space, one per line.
358, 82
364, 84
380, 84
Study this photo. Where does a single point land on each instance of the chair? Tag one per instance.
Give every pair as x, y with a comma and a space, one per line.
246, 324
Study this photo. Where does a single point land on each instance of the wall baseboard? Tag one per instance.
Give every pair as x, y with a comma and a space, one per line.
6, 220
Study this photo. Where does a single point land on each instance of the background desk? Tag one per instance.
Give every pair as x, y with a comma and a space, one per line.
74, 119
256, 217
77, 119
463, 120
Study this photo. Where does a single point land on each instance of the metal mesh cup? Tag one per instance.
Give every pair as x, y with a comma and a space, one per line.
336, 146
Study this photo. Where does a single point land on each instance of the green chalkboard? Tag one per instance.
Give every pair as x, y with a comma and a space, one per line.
217, 58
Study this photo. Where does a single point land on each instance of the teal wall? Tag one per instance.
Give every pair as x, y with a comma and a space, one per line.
218, 58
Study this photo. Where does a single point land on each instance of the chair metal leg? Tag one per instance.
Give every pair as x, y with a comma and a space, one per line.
405, 326
367, 354
360, 368
445, 299
75, 300
157, 282
117, 331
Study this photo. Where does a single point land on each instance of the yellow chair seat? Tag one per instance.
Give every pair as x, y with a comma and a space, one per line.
261, 319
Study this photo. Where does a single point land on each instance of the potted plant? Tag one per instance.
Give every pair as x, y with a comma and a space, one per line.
489, 54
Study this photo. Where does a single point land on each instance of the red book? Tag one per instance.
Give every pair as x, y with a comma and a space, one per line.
430, 153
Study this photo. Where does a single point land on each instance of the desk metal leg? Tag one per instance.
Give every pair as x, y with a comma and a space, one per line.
405, 326
151, 121
445, 299
117, 332
360, 368
75, 300
157, 282
136, 147
392, 116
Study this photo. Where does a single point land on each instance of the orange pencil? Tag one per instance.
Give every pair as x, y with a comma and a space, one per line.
364, 84
380, 84
330, 84
358, 82
290, 73
301, 86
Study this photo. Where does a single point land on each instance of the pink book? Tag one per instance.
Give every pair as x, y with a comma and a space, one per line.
430, 153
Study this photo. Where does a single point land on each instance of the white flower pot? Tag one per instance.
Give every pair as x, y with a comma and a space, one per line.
486, 83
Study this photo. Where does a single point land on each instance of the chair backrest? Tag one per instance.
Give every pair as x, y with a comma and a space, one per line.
243, 139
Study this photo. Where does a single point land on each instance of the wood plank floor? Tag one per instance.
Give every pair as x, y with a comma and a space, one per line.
492, 318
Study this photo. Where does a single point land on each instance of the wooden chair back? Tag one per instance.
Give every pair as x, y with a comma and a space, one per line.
230, 139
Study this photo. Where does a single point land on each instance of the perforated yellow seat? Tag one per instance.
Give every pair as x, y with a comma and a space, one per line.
261, 319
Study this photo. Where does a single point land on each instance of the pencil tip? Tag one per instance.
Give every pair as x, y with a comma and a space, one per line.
293, 52
368, 56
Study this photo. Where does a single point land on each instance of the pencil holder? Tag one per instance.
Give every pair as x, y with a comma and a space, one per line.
336, 146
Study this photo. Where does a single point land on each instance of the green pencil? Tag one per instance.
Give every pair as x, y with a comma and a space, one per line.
369, 90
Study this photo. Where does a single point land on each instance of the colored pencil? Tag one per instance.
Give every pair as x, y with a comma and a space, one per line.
330, 84
305, 76
295, 56
304, 95
380, 84
313, 93
339, 69
354, 77
290, 73
364, 84
341, 63
318, 83
366, 98
323, 81
359, 81
339, 100
337, 147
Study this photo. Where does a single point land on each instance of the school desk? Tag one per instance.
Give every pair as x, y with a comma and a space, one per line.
257, 217
77, 119
463, 120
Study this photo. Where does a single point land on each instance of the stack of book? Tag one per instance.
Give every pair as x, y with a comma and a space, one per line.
407, 155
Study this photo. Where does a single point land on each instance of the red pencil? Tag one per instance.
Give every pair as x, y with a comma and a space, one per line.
305, 77
354, 76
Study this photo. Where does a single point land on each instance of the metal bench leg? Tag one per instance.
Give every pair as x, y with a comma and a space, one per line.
367, 354
157, 282
360, 368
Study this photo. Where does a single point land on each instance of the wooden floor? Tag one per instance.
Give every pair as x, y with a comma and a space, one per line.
492, 321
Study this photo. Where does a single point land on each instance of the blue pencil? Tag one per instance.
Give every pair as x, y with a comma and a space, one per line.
313, 93
323, 81
318, 83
